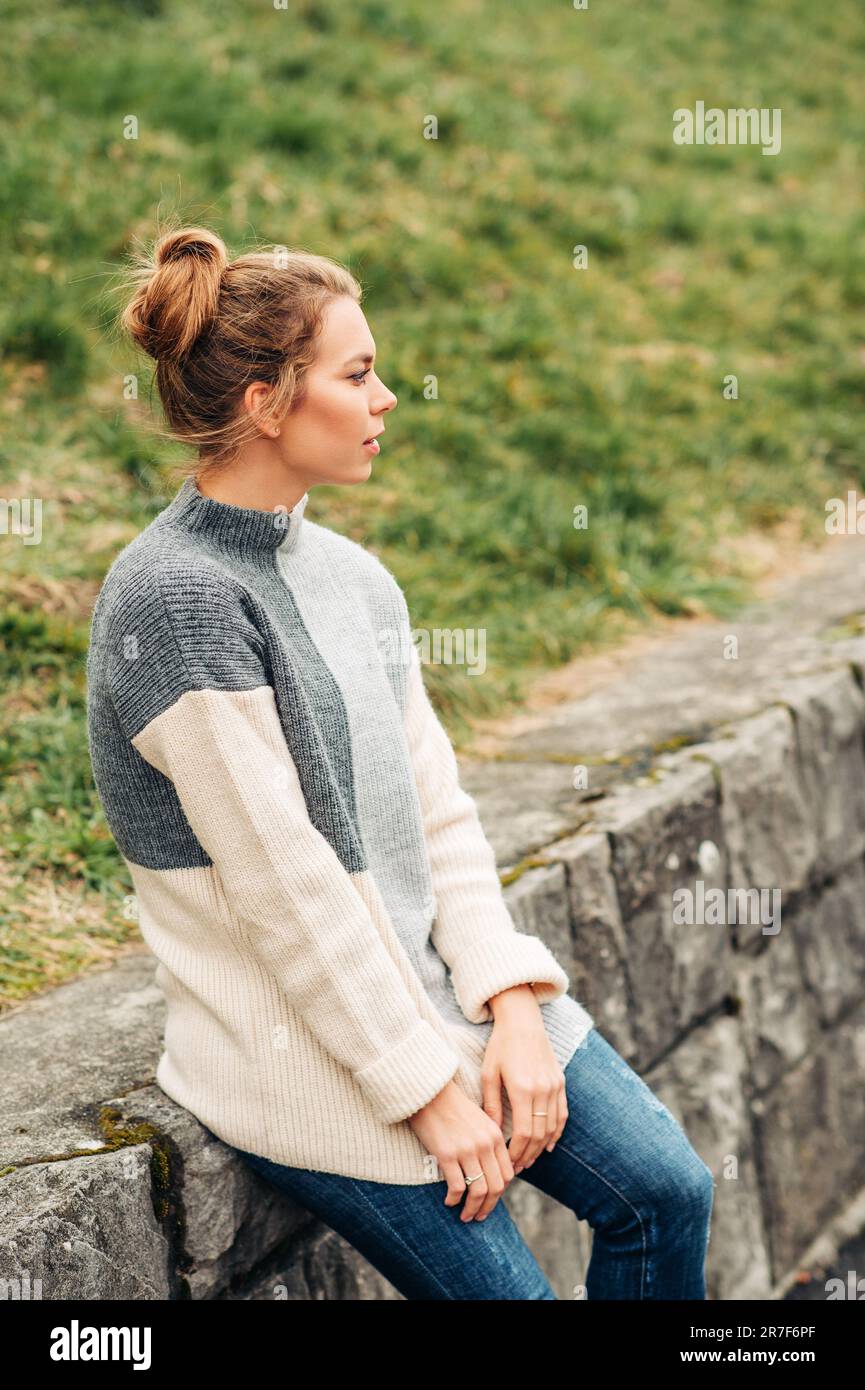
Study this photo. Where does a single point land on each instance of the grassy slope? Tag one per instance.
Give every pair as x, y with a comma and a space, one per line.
556, 387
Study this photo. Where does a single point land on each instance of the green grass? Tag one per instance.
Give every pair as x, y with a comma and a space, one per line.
555, 386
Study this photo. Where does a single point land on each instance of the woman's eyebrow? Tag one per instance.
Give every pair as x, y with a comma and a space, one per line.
360, 357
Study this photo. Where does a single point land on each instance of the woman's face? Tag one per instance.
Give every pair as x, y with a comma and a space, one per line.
322, 440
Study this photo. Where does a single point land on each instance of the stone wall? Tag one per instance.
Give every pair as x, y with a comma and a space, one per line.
754, 1038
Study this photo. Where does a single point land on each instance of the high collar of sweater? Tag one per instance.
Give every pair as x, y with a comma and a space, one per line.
244, 530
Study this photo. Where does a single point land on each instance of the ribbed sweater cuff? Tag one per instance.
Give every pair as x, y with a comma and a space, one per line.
408, 1076
499, 962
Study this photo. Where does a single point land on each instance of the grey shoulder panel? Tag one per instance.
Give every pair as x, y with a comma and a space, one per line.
167, 623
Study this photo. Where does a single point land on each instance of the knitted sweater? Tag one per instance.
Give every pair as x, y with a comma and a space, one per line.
322, 901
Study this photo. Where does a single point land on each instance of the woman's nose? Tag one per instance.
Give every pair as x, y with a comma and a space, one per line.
389, 400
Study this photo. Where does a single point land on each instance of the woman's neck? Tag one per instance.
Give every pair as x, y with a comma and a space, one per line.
262, 483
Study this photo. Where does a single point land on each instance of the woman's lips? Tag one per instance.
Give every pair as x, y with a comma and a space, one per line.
372, 445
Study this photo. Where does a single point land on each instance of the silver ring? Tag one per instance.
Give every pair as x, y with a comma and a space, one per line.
469, 1181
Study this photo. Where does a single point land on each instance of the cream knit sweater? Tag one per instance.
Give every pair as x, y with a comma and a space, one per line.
314, 882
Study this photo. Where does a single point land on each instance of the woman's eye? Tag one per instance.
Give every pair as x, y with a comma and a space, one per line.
359, 376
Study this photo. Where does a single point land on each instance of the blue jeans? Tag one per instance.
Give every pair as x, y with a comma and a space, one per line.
623, 1164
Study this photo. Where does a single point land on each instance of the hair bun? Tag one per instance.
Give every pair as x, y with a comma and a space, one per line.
191, 241
178, 298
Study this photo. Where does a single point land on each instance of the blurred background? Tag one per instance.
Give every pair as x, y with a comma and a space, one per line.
557, 385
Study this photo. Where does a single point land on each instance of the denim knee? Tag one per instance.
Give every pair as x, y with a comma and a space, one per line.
684, 1185
696, 1185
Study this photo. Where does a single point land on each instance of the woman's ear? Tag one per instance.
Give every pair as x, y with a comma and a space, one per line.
254, 401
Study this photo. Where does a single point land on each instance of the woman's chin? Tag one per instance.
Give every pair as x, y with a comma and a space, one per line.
349, 477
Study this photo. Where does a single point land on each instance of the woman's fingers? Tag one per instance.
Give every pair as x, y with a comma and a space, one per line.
544, 1122
540, 1125
499, 1172
522, 1105
561, 1111
482, 1195
456, 1181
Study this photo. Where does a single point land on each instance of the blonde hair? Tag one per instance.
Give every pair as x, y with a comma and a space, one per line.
214, 325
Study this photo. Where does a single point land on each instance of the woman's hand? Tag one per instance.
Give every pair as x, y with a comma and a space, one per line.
520, 1058
465, 1141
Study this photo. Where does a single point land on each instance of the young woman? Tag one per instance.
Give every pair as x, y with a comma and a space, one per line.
349, 1004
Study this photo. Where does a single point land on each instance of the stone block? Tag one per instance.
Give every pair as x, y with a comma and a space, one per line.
704, 1083
664, 839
